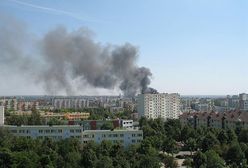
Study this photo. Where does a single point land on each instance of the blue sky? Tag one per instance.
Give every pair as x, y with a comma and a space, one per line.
191, 46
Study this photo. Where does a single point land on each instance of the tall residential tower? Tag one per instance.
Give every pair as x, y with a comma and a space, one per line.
162, 105
1, 115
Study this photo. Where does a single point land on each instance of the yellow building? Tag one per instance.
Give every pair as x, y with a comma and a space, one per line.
76, 116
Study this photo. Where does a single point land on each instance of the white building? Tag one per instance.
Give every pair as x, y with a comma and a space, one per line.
127, 124
125, 137
1, 115
9, 103
77, 103
162, 105
58, 132
243, 101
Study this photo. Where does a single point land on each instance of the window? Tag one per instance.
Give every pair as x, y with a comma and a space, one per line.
78, 130
14, 131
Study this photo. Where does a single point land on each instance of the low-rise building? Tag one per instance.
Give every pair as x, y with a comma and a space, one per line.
225, 120
97, 124
125, 137
127, 123
58, 132
76, 116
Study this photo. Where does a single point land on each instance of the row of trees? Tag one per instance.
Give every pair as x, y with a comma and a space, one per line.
22, 152
99, 113
213, 148
36, 119
209, 147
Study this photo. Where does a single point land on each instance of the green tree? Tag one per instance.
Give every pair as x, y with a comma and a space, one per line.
170, 146
191, 144
199, 160
21, 159
104, 162
108, 125
231, 136
235, 156
209, 141
5, 157
168, 161
223, 137
214, 160
243, 136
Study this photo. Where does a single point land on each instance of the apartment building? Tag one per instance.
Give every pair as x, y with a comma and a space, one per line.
125, 137
243, 102
45, 131
162, 105
24, 105
225, 120
1, 115
76, 103
58, 132
76, 116
127, 123
9, 103
97, 124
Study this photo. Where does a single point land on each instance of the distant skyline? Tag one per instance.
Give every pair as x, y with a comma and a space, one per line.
192, 47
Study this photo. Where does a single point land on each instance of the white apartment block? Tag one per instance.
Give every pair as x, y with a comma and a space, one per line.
9, 103
58, 132
59, 103
127, 124
1, 115
125, 137
243, 101
162, 105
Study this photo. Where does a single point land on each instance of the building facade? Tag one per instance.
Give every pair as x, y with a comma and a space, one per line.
243, 102
76, 116
224, 120
75, 103
125, 137
1, 115
9, 103
58, 132
98, 124
162, 105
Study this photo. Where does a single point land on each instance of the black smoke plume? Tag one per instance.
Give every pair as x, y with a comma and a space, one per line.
61, 57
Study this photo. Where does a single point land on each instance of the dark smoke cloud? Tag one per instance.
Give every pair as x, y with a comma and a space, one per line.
61, 57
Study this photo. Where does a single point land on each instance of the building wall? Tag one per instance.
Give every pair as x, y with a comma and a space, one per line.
127, 123
1, 115
166, 106
125, 137
43, 131
216, 120
243, 101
